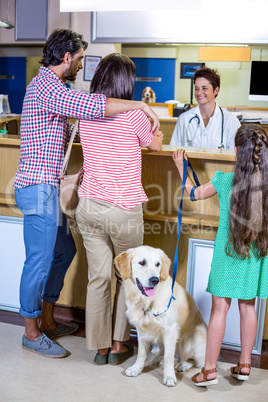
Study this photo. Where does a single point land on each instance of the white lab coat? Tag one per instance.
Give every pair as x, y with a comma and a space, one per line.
197, 135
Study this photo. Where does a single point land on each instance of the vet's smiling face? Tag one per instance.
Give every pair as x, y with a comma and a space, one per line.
146, 268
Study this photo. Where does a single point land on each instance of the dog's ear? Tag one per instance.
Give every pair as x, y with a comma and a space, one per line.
123, 263
165, 265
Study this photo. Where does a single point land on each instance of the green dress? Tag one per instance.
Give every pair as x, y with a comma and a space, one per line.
233, 277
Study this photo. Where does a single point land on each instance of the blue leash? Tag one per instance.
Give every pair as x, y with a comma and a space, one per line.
175, 262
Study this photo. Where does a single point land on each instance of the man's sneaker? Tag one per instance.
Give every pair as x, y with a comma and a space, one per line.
44, 346
61, 330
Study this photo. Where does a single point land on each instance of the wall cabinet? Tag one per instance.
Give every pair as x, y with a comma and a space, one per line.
31, 26
176, 26
29, 20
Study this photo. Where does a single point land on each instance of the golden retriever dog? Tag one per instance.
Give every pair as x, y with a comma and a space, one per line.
148, 95
180, 328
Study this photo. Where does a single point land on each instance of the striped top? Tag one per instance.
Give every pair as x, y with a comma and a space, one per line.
112, 158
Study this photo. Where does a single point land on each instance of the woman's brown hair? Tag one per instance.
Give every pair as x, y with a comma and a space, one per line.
249, 201
209, 74
114, 77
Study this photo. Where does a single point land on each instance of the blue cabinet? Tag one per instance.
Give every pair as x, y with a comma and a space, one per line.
157, 73
13, 81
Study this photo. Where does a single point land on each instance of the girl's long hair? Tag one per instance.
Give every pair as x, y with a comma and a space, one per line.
249, 201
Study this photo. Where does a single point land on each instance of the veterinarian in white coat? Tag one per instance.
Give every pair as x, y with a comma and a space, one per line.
207, 125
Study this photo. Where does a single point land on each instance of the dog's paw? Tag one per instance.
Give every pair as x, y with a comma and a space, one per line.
184, 366
132, 371
170, 381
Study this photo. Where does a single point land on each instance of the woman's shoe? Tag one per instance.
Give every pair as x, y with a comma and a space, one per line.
101, 359
238, 374
205, 381
118, 358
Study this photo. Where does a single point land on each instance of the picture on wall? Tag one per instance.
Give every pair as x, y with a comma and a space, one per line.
90, 66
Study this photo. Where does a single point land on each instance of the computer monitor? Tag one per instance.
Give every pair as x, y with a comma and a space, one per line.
188, 69
258, 90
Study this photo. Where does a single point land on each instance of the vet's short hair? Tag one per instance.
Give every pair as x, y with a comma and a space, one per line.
209, 74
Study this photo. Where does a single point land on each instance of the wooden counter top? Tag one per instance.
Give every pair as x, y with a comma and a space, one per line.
5, 119
167, 150
196, 153
9, 139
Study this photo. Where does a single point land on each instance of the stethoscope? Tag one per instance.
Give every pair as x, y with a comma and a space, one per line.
221, 145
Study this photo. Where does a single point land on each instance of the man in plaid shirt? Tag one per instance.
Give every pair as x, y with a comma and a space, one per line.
45, 130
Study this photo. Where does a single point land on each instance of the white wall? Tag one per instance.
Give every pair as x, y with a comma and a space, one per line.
81, 22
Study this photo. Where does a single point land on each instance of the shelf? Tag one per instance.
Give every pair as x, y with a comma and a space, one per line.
7, 199
193, 219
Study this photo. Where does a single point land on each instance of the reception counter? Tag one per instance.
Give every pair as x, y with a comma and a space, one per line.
167, 126
162, 185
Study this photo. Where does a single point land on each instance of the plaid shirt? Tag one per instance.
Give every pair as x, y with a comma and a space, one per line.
45, 127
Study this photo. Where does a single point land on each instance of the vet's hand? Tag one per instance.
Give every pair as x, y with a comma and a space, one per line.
179, 156
152, 115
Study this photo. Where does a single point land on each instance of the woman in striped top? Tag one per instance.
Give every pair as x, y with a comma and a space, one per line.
109, 214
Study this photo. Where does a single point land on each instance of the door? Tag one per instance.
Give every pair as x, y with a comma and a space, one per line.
13, 81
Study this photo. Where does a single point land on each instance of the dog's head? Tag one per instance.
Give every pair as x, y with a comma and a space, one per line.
145, 266
148, 94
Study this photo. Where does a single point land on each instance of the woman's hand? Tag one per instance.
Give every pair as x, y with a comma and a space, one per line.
156, 144
160, 135
178, 157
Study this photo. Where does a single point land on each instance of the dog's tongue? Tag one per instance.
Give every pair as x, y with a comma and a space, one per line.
149, 291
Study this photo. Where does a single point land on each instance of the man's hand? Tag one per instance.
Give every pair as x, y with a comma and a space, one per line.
152, 115
116, 106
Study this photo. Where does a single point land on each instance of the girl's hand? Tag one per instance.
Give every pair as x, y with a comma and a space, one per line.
178, 157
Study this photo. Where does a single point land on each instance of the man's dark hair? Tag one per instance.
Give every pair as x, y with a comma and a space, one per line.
59, 43
114, 77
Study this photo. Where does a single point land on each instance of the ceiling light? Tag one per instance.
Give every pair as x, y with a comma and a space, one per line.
6, 24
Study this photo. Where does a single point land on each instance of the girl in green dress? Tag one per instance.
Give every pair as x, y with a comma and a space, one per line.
239, 266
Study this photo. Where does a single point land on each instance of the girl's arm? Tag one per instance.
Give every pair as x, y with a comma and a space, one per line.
202, 192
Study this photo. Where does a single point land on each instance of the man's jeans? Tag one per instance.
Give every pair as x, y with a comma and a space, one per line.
45, 267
